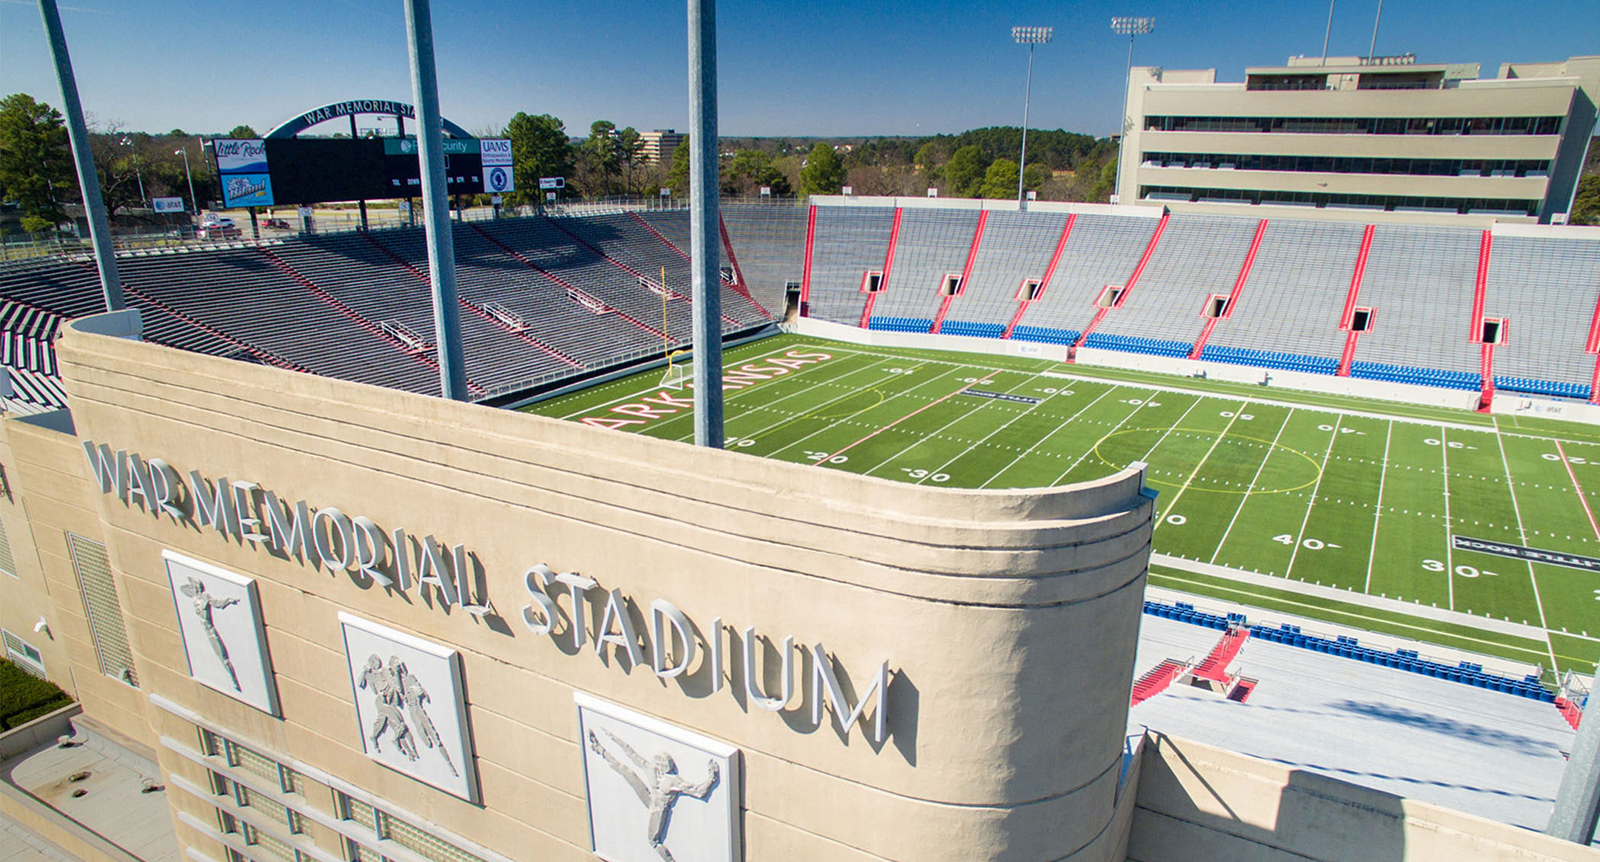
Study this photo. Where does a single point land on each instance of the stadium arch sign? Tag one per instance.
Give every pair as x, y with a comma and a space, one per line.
384, 107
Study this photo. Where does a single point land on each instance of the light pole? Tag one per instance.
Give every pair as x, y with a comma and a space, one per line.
128, 142
194, 205
1129, 27
1029, 36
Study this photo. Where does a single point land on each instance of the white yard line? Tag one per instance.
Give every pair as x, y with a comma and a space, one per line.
830, 456
1522, 536
987, 437
1144, 402
1250, 490
934, 435
1383, 474
793, 443
1449, 543
1037, 443
1203, 459
885, 376
1299, 537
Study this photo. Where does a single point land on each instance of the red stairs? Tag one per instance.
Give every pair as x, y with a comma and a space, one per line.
1155, 681
1570, 711
1215, 667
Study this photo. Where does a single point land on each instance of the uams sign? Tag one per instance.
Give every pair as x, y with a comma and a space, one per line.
668, 642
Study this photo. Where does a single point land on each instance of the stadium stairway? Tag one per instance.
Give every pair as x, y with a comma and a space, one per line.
1215, 666
1156, 680
1570, 711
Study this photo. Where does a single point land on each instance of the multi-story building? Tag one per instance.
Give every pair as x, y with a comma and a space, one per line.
1384, 134
656, 146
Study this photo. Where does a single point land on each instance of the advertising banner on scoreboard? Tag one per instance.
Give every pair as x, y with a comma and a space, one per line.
495, 152
246, 190
498, 180
241, 156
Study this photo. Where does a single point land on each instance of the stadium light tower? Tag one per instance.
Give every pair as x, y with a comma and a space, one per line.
1029, 36
194, 204
137, 172
1130, 27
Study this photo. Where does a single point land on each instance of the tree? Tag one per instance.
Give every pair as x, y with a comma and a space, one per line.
678, 174
539, 148
749, 170
1586, 206
244, 132
630, 145
601, 157
35, 158
823, 173
964, 173
1000, 181
1103, 187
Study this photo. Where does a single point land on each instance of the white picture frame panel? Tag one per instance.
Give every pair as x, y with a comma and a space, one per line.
219, 621
699, 811
411, 706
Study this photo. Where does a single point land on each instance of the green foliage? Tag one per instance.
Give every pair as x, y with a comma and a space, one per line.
934, 152
1586, 206
678, 174
242, 132
24, 698
1036, 175
1101, 191
964, 173
823, 173
35, 159
1056, 149
36, 224
602, 157
882, 152
749, 170
539, 148
1000, 181
630, 145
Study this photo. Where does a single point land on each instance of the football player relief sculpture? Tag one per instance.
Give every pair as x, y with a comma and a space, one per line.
219, 618
656, 792
409, 705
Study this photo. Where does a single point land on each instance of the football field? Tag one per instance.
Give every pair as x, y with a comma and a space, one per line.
1295, 502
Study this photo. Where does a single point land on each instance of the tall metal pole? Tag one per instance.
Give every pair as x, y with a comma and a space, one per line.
703, 234
435, 211
1373, 50
1328, 34
193, 203
1578, 800
1029, 36
1129, 27
88, 181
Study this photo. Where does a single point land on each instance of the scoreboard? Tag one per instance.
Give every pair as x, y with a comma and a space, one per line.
297, 171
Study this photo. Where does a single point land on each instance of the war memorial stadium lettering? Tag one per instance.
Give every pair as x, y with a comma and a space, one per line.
443, 577
360, 106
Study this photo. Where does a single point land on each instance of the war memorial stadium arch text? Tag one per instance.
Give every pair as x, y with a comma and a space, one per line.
329, 538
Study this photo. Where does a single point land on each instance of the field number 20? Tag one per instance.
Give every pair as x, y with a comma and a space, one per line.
1463, 571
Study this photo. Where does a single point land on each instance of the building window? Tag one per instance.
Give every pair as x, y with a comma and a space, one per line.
249, 761
1360, 125
1391, 203
291, 781
7, 563
355, 851
403, 833
103, 609
356, 811
24, 654
276, 846
1335, 164
226, 823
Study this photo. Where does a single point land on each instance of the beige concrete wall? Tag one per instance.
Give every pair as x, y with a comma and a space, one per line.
50, 498
1008, 618
1199, 802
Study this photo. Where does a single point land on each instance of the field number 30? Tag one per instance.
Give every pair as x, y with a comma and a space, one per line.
1463, 571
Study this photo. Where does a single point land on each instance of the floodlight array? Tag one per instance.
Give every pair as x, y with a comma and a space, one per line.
1132, 26
1032, 35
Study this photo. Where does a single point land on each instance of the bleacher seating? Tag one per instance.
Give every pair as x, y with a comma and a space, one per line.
1418, 376
1137, 344
900, 324
1197, 256
1546, 288
770, 242
1533, 386
1295, 295
1045, 335
972, 328
1270, 359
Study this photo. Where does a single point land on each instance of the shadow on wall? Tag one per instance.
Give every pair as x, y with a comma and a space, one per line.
1196, 802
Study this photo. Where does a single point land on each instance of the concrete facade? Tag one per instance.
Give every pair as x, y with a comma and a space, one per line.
1005, 621
1349, 139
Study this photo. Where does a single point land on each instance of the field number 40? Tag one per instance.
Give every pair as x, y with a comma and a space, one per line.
1463, 571
1308, 544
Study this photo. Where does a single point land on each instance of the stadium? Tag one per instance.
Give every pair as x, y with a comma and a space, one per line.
1039, 531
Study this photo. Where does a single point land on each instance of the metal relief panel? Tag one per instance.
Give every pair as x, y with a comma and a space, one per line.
657, 792
410, 705
219, 618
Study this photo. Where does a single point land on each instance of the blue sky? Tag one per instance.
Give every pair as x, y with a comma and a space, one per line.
786, 67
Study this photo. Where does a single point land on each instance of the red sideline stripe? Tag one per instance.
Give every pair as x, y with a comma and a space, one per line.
811, 243
1144, 260
1481, 287
1049, 273
888, 264
1233, 297
1355, 278
966, 272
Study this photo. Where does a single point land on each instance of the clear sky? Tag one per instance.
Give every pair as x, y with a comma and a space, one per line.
787, 67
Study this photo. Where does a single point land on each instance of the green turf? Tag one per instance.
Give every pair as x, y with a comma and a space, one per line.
1357, 495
